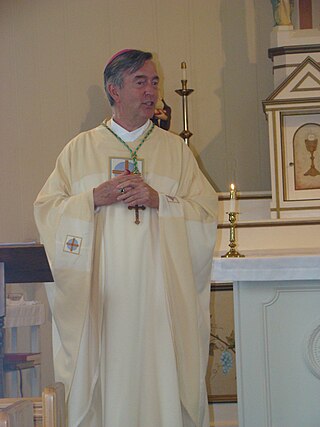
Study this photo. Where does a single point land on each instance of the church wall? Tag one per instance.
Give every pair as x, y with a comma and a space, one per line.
53, 55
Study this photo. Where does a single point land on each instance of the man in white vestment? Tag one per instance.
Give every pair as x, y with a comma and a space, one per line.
128, 222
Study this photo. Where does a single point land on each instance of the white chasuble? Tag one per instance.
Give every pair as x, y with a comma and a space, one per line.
130, 302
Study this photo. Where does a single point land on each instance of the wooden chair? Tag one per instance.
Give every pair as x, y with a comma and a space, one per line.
48, 410
53, 406
17, 414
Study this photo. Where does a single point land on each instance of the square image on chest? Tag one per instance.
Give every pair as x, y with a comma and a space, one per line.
120, 164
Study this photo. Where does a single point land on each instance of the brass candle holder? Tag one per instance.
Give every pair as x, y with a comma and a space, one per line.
184, 92
232, 253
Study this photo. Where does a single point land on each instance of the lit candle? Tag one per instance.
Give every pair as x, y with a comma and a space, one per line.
184, 70
232, 198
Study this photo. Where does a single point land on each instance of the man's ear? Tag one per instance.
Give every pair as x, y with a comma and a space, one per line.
114, 92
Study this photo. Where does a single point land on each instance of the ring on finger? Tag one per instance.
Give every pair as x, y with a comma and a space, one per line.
121, 190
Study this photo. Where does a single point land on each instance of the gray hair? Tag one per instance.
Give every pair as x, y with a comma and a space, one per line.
130, 60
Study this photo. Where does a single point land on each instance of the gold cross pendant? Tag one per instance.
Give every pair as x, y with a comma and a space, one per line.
136, 208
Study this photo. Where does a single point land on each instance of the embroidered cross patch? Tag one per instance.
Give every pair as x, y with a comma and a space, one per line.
119, 165
72, 244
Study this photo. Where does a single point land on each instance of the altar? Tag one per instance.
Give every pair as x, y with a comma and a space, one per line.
277, 328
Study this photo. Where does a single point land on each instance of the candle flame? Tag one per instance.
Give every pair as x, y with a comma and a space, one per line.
183, 65
232, 191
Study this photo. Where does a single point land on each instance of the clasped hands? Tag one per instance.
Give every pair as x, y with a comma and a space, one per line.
128, 188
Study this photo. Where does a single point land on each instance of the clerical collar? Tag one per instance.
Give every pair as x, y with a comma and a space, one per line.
126, 135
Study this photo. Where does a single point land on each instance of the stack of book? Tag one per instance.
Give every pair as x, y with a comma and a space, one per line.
14, 361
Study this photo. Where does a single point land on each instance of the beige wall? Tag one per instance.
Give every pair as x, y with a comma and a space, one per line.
52, 57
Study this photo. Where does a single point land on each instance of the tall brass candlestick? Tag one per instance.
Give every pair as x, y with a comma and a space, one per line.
232, 252
184, 92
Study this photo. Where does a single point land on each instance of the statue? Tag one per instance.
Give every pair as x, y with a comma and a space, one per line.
162, 115
282, 11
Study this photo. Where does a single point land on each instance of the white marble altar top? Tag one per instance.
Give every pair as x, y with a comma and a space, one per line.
286, 264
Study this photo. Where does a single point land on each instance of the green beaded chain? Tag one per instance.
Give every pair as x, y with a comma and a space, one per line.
133, 154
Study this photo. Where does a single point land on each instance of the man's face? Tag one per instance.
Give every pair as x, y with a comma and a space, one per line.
135, 101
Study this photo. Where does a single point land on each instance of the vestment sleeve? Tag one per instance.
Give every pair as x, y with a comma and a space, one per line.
66, 225
192, 212
59, 212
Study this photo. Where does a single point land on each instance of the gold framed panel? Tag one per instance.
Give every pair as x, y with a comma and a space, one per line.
221, 372
300, 153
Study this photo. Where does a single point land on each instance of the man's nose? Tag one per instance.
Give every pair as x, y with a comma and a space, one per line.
151, 88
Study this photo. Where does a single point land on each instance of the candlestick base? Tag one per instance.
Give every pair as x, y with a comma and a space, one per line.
232, 253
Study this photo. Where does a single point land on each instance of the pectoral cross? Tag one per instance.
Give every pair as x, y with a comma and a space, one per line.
136, 208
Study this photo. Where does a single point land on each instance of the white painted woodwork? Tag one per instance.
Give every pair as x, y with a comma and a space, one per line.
277, 323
